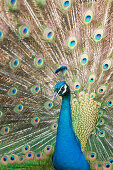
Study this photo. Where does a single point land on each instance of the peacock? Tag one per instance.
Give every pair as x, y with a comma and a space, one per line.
56, 84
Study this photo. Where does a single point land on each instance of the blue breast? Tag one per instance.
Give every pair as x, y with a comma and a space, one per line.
68, 154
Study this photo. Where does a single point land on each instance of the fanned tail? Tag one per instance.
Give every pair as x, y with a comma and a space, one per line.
36, 37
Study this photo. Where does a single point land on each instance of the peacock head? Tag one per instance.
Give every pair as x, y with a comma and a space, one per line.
61, 89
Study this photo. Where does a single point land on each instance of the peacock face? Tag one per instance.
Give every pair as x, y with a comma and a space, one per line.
61, 88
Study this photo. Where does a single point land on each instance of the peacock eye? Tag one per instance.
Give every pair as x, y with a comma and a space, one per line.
62, 89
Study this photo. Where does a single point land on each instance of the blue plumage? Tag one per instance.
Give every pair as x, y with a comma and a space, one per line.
68, 154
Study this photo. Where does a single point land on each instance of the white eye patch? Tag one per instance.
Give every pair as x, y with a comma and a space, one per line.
65, 88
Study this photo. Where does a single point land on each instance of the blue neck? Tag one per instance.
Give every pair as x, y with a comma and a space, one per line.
65, 128
68, 154
65, 120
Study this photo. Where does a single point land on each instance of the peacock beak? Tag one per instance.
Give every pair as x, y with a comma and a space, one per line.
54, 96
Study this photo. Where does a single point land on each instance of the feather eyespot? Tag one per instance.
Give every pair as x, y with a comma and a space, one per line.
12, 159
99, 165
26, 148
72, 42
101, 121
98, 35
21, 159
54, 126
100, 113
101, 133
19, 108
12, 1
92, 78
111, 161
107, 165
66, 4
48, 150
48, 105
14, 63
81, 94
29, 156
88, 16
48, 34
12, 91
4, 159
83, 59
77, 86
106, 65
1, 35
110, 103
12, 4
35, 89
38, 62
35, 120
92, 95
98, 104
101, 90
24, 31
74, 100
91, 156
38, 156
5, 130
